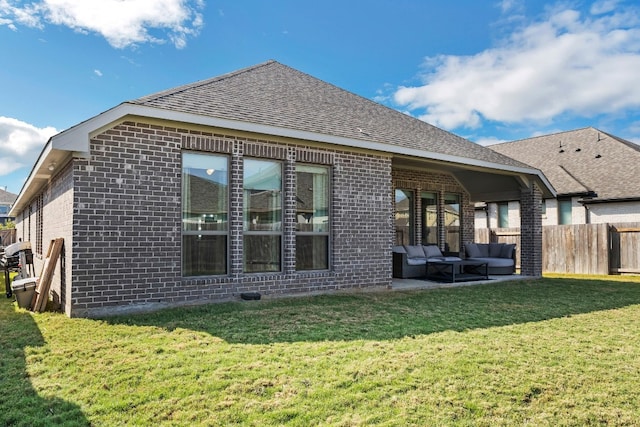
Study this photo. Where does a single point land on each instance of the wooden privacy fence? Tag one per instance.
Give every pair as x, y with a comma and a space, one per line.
7, 237
626, 239
580, 248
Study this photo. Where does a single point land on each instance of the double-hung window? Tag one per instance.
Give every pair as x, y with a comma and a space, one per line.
429, 201
452, 221
312, 217
262, 216
205, 214
404, 217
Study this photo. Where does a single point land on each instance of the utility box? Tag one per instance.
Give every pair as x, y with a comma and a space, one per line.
24, 289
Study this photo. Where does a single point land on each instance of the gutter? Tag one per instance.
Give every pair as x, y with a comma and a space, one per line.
611, 200
75, 142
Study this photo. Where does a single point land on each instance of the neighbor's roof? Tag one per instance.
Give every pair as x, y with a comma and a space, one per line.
581, 161
7, 198
276, 95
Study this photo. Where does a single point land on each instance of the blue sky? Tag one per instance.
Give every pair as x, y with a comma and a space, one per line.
489, 71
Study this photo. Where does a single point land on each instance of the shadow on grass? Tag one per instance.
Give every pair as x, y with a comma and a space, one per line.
393, 315
20, 404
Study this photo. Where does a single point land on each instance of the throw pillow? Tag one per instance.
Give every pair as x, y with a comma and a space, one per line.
495, 249
507, 251
432, 251
472, 250
414, 251
484, 250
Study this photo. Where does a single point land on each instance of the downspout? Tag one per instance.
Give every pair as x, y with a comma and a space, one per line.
585, 203
486, 214
587, 214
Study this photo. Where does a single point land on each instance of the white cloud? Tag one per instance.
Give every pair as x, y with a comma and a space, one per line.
20, 143
507, 6
121, 23
97, 72
488, 141
566, 64
604, 6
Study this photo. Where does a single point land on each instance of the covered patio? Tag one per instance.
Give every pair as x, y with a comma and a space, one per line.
435, 197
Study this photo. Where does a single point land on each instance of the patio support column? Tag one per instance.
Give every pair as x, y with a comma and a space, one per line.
531, 231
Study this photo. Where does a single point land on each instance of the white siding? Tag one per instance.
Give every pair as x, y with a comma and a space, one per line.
615, 212
599, 213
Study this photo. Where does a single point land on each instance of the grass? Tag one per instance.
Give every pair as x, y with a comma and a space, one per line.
555, 351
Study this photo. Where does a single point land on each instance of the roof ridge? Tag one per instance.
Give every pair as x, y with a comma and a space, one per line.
547, 135
183, 88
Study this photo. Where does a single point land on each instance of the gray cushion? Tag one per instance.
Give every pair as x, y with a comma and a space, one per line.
432, 251
449, 258
494, 249
507, 250
414, 251
399, 250
472, 250
484, 249
496, 262
416, 261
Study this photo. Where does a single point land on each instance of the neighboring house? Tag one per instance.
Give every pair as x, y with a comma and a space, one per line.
262, 180
596, 177
6, 200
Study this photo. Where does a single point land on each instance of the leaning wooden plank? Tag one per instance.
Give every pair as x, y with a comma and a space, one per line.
44, 282
38, 290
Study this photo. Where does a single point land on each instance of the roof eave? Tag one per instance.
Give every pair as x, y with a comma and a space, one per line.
335, 140
610, 200
75, 141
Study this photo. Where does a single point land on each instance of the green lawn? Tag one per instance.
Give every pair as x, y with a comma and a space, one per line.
551, 352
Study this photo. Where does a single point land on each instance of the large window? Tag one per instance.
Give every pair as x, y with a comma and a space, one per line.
429, 203
404, 217
452, 222
312, 217
262, 216
205, 212
564, 212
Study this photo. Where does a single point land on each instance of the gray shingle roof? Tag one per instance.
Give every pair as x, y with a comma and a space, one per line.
277, 95
7, 198
615, 174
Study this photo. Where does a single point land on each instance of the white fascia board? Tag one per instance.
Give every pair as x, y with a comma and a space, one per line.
23, 195
76, 139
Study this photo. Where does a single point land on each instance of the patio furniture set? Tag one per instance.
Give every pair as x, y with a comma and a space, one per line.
428, 262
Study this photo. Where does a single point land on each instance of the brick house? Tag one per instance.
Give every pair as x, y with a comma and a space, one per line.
262, 180
595, 176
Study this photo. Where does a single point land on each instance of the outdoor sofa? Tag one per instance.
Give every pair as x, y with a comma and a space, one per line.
500, 257
410, 261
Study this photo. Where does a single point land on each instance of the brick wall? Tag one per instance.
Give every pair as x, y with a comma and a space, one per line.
531, 232
127, 221
53, 206
57, 217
